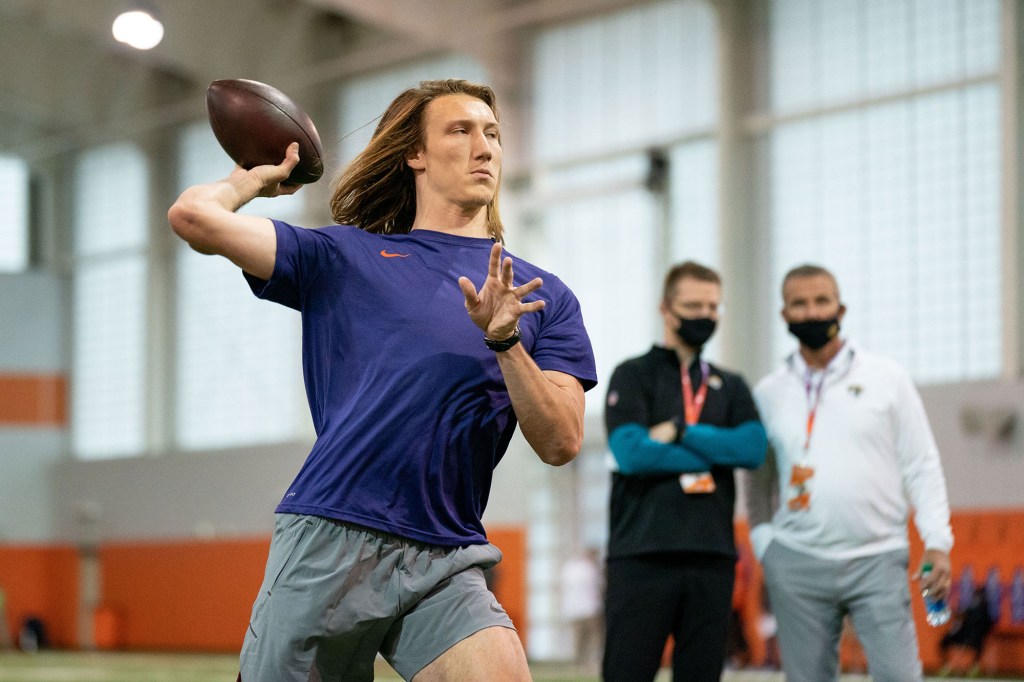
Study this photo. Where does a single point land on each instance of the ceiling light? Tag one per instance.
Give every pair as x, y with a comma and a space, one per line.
139, 29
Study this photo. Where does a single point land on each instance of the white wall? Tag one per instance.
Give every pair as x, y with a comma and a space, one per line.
982, 471
235, 492
31, 342
227, 493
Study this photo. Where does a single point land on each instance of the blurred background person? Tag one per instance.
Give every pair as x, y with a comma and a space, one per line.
852, 451
582, 583
678, 427
968, 632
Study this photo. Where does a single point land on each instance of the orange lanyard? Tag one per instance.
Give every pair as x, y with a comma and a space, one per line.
693, 404
813, 400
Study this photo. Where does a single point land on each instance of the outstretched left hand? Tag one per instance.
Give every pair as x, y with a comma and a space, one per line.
497, 307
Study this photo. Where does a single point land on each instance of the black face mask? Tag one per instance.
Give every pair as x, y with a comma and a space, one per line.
695, 333
815, 333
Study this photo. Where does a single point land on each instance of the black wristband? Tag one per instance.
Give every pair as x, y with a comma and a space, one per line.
505, 344
680, 428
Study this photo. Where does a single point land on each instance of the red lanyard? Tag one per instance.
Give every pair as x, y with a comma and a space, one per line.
693, 404
812, 403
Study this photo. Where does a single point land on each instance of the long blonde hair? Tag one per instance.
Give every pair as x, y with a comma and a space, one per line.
376, 192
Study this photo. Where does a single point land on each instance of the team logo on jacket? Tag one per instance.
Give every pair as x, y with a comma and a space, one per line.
715, 381
613, 398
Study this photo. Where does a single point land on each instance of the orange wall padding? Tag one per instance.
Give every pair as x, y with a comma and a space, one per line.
197, 595
41, 581
509, 583
187, 596
983, 539
33, 400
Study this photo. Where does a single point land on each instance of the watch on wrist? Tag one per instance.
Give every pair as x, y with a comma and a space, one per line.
504, 344
680, 428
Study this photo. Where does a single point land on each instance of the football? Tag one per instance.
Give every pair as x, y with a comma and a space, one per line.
255, 123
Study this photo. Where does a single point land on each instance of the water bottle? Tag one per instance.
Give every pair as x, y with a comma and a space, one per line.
936, 611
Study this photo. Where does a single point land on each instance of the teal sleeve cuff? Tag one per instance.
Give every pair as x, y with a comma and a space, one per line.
743, 446
636, 453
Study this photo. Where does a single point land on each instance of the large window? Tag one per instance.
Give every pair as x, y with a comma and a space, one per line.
625, 183
108, 406
638, 78
605, 247
619, 99
238, 368
885, 167
14, 201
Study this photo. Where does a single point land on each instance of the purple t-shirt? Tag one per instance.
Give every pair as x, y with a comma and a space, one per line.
410, 407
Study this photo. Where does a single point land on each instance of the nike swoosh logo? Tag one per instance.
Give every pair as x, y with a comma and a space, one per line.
388, 254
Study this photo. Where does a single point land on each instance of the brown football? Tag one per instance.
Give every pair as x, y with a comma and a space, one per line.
255, 123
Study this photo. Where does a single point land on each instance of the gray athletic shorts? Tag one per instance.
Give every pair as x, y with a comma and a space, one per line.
335, 594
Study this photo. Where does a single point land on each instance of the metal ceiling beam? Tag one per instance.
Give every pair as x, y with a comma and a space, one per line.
431, 23
454, 23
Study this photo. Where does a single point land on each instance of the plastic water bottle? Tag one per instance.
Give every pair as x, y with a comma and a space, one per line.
936, 611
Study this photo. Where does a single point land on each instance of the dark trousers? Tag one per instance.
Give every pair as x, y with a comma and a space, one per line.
688, 596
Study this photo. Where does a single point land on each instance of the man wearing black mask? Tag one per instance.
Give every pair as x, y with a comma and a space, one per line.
851, 452
677, 427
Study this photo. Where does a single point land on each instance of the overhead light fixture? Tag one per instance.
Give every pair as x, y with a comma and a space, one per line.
139, 29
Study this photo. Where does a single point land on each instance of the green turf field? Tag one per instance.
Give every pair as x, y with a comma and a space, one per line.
60, 666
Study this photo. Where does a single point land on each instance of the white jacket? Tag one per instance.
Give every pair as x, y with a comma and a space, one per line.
871, 449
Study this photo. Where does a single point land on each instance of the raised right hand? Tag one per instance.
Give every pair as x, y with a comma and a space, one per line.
266, 181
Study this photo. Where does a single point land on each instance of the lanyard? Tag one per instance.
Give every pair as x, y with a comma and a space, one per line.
693, 404
813, 400
814, 392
